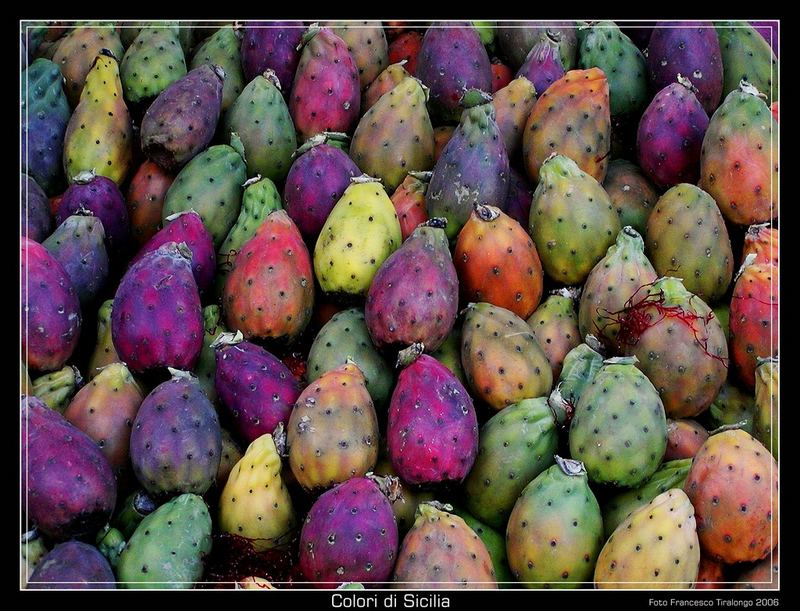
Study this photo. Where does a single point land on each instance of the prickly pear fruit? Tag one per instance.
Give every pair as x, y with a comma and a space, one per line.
746, 55
387, 80
222, 49
733, 485
502, 75
157, 319
580, 366
136, 507
762, 241
655, 547
732, 406
453, 554
512, 105
764, 575
515, 446
684, 438
152, 62
409, 201
104, 352
145, 200
710, 575
441, 136
72, 565
543, 66
406, 47
572, 221
432, 434
32, 550
272, 45
449, 354
70, 487
350, 534
519, 198
51, 312
495, 543
35, 221
206, 367
255, 503
765, 421
168, 547
497, 262
181, 122
558, 123
555, 326
56, 389
406, 498
230, 455
366, 43
516, 41
631, 193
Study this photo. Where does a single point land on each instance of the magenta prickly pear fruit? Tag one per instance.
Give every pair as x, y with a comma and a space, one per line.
326, 95
157, 319
451, 61
350, 534
36, 222
256, 388
51, 312
543, 64
271, 45
176, 441
69, 486
414, 295
432, 434
72, 565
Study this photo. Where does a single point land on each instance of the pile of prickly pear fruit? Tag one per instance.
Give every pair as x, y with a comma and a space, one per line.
399, 304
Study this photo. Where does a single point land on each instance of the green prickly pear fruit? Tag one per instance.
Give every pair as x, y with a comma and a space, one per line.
655, 547
580, 366
732, 406
366, 42
495, 544
207, 363
230, 455
104, 352
512, 105
24, 378
167, 549
555, 531
31, 549
765, 421
56, 389
152, 62
136, 508
746, 55
555, 325
222, 49
632, 194
386, 81
449, 353
110, 542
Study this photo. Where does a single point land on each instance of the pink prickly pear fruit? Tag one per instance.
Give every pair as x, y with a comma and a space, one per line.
684, 438
269, 293
543, 64
512, 105
326, 95
432, 434
145, 200
409, 202
350, 534
519, 198
414, 294
387, 80
710, 575
69, 486
157, 319
762, 241
51, 312
670, 135
256, 388
271, 45
555, 326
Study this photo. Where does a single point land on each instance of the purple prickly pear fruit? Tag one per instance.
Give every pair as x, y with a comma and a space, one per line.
512, 105
187, 227
631, 193
69, 486
72, 565
690, 48
452, 61
36, 222
256, 388
176, 442
157, 320
350, 534
516, 41
519, 198
181, 122
102, 197
543, 64
404, 307
671, 133
326, 95
51, 312
366, 42
272, 45
432, 434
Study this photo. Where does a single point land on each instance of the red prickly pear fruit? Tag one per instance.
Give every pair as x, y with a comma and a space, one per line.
409, 202
543, 64
432, 434
51, 312
631, 193
367, 45
512, 105
558, 123
269, 293
387, 80
555, 326
187, 227
775, 110
710, 575
326, 95
733, 486
350, 534
271, 45
684, 439
157, 319
671, 134
761, 240
69, 486
36, 222
72, 565
441, 136
414, 294
497, 262
256, 388
519, 198
406, 47
501, 75
764, 575
145, 200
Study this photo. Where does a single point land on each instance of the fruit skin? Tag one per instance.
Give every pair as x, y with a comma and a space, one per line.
554, 324
271, 45
332, 433
762, 241
265, 515
387, 80
473, 167
764, 575
631, 193
449, 74
51, 312
501, 75
452, 554
206, 367
45, 113
684, 439
168, 547
181, 121
449, 353
742, 134
72, 565
515, 42
733, 485
710, 575
409, 202
732, 405
515, 446
562, 108
347, 271
104, 352
687, 236
367, 45
157, 319
70, 487
57, 388
543, 66
230, 455
256, 388
566, 205
670, 135
404, 307
408, 498
222, 49
580, 366
350, 534
765, 425
325, 66
441, 136
495, 544
664, 530
35, 221
145, 200
690, 48
152, 62
432, 433
746, 55
555, 530
406, 47
497, 262
519, 198
512, 105
501, 357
